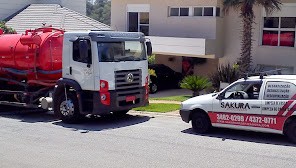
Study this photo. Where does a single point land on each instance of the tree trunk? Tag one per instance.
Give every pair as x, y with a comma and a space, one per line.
245, 59
195, 93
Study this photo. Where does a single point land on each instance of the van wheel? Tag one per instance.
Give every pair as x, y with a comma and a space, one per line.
291, 131
68, 110
200, 122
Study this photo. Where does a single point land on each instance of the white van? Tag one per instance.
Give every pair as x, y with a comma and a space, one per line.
258, 103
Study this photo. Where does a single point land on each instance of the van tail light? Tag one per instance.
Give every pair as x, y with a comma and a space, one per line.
104, 93
147, 88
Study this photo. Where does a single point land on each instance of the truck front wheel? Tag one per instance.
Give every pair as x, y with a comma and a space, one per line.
200, 122
67, 109
291, 131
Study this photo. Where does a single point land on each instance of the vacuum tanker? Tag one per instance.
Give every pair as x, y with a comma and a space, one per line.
74, 73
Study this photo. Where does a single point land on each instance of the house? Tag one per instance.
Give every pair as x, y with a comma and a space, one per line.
22, 15
195, 36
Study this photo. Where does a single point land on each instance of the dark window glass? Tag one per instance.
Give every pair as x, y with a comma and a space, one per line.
174, 12
77, 47
271, 22
217, 11
270, 38
197, 11
184, 11
208, 11
144, 29
144, 18
133, 22
287, 38
288, 22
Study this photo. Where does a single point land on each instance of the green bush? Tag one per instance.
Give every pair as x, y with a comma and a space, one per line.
151, 59
225, 73
6, 30
196, 84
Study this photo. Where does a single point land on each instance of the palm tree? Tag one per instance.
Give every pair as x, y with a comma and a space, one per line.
245, 7
196, 84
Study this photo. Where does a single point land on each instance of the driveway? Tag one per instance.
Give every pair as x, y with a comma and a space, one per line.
171, 92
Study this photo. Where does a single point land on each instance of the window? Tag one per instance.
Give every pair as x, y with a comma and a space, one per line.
194, 11
243, 90
208, 11
121, 51
78, 47
279, 31
138, 22
278, 90
184, 11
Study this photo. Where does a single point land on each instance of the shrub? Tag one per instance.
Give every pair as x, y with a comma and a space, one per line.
6, 30
225, 73
195, 83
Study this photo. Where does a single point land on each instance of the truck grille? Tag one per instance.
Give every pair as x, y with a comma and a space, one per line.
125, 87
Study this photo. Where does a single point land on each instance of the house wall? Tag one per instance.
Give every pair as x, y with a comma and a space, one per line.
266, 55
163, 25
7, 8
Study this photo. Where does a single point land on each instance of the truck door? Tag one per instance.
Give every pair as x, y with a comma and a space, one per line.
81, 64
237, 103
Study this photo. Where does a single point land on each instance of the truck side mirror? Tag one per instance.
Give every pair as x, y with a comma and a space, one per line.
149, 48
83, 51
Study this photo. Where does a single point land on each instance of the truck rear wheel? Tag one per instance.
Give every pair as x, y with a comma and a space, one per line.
68, 109
200, 122
291, 131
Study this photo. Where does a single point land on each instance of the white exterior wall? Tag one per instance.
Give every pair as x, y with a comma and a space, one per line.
7, 8
263, 55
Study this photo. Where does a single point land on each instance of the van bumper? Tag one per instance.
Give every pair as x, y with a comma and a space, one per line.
185, 115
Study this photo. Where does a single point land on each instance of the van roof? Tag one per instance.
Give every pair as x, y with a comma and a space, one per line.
287, 77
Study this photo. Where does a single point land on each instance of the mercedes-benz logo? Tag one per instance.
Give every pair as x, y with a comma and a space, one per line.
130, 78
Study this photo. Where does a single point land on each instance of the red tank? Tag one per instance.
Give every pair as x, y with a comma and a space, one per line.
34, 57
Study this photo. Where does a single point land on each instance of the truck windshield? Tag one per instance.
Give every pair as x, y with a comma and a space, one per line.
121, 51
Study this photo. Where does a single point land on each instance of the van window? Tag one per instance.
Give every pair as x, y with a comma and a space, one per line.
276, 90
244, 90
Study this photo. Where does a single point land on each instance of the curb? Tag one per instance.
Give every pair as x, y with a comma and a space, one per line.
173, 113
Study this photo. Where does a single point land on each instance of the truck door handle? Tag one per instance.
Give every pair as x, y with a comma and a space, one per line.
70, 70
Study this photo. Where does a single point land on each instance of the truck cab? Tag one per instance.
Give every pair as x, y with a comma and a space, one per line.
259, 103
103, 72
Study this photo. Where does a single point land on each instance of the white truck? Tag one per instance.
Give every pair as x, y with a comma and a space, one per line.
74, 73
258, 103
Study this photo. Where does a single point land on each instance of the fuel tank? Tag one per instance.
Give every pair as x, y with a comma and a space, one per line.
34, 57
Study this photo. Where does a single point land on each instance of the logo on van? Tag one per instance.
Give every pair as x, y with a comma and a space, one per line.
235, 105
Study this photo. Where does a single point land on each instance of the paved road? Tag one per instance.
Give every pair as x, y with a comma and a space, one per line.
139, 140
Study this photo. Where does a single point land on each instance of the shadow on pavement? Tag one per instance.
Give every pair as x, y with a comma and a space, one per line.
104, 123
248, 136
87, 124
26, 115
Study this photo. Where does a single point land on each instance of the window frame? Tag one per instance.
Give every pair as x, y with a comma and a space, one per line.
139, 22
278, 30
203, 10
179, 12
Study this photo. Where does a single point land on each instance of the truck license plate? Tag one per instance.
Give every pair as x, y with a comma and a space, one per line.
130, 98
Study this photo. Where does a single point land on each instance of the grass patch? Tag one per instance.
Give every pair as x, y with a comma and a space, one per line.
159, 107
173, 98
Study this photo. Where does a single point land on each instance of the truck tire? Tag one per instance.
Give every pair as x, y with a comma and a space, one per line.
200, 122
68, 110
291, 131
